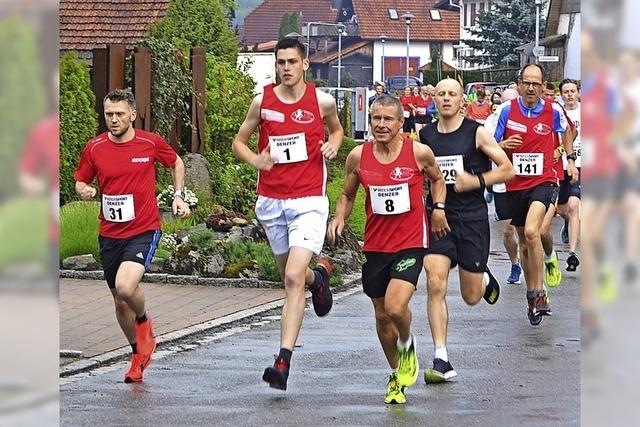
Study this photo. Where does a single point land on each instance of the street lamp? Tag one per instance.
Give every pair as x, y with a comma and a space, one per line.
382, 38
407, 18
340, 30
538, 4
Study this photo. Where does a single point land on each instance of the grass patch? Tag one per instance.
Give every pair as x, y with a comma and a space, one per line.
358, 215
79, 229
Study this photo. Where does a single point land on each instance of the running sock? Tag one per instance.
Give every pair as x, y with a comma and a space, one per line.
402, 344
317, 280
441, 353
285, 354
142, 318
532, 294
550, 257
134, 347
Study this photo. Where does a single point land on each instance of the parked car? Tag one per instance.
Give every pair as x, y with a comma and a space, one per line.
398, 83
472, 88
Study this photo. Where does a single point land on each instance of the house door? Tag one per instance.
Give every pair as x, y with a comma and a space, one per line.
397, 66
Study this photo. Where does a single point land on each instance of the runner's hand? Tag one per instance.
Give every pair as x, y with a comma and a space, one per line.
265, 160
334, 229
327, 150
572, 170
180, 207
88, 193
511, 143
439, 224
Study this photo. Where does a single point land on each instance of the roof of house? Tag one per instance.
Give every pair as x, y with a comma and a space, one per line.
263, 23
374, 19
325, 58
89, 24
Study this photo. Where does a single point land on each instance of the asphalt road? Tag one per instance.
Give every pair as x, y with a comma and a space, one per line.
509, 372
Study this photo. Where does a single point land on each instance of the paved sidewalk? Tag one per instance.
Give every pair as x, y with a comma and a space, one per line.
87, 314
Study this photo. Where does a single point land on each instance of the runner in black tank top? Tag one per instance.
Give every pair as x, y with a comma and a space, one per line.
464, 151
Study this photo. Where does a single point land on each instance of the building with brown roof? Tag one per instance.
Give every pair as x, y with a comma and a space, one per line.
89, 24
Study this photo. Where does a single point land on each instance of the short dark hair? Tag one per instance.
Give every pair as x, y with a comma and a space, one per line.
389, 101
288, 43
550, 86
118, 95
533, 64
569, 81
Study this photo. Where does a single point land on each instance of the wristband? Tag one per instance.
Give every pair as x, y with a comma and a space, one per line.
438, 205
481, 181
572, 156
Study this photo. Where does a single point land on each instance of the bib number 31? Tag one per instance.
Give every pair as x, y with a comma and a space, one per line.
118, 208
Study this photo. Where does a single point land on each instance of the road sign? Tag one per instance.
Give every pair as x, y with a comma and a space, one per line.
538, 51
548, 58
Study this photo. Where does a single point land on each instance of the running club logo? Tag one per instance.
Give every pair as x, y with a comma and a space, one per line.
303, 117
401, 174
542, 129
405, 263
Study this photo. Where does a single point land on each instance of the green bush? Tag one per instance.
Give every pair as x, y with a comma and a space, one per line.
234, 183
240, 256
202, 240
173, 224
79, 229
358, 215
78, 119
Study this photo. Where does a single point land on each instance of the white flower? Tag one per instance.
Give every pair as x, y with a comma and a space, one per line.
165, 198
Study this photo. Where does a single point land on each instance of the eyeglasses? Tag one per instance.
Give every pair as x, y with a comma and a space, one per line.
536, 85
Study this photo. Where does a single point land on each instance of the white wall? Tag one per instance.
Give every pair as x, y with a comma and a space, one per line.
572, 60
262, 70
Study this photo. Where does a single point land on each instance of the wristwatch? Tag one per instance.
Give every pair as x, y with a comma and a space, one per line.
179, 193
438, 205
572, 156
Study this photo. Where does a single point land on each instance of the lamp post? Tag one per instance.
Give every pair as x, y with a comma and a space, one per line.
382, 38
340, 30
538, 4
407, 19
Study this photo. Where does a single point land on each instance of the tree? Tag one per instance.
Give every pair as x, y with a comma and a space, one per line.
290, 23
502, 28
199, 23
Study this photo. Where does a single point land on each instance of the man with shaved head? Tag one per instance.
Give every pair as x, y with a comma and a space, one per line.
464, 151
529, 123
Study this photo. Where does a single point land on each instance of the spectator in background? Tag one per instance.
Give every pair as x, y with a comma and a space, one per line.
479, 109
409, 108
422, 102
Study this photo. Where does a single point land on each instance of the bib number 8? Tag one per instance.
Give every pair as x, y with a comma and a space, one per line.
388, 205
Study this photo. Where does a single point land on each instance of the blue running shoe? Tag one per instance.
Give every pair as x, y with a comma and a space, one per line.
516, 274
564, 233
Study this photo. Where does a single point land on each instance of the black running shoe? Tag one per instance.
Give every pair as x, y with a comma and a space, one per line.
572, 261
320, 293
442, 371
277, 375
492, 291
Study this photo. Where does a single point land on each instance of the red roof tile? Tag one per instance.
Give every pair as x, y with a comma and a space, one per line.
374, 20
263, 23
89, 24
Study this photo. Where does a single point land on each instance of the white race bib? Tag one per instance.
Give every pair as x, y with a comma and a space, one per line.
118, 208
422, 111
289, 148
528, 164
405, 114
450, 166
390, 199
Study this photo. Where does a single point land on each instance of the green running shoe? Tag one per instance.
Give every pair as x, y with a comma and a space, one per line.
408, 366
552, 272
395, 392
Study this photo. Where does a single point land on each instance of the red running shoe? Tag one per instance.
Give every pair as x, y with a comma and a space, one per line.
138, 365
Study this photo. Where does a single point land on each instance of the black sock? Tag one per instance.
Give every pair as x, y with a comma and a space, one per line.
532, 294
134, 348
317, 280
142, 318
285, 354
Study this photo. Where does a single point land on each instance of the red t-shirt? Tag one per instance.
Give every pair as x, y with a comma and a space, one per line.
422, 104
41, 157
479, 111
406, 100
387, 232
293, 132
127, 179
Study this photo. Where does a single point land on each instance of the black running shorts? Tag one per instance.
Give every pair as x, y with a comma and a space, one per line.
521, 200
139, 248
567, 189
379, 268
467, 245
502, 205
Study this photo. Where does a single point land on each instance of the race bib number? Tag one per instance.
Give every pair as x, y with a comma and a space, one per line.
586, 151
422, 111
405, 114
390, 199
528, 164
118, 208
450, 166
289, 148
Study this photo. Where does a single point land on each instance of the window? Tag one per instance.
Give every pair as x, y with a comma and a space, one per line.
472, 19
466, 15
435, 15
393, 14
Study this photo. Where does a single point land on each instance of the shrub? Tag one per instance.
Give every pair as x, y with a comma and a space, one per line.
202, 240
79, 229
240, 256
78, 119
234, 183
358, 215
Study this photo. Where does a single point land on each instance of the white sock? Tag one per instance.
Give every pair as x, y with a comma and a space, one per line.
551, 256
402, 344
441, 353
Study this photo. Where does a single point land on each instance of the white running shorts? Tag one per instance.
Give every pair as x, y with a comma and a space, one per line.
298, 222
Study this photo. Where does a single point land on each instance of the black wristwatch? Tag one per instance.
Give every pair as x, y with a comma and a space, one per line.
572, 156
179, 193
438, 205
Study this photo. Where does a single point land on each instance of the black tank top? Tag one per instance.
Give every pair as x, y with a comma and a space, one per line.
450, 149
